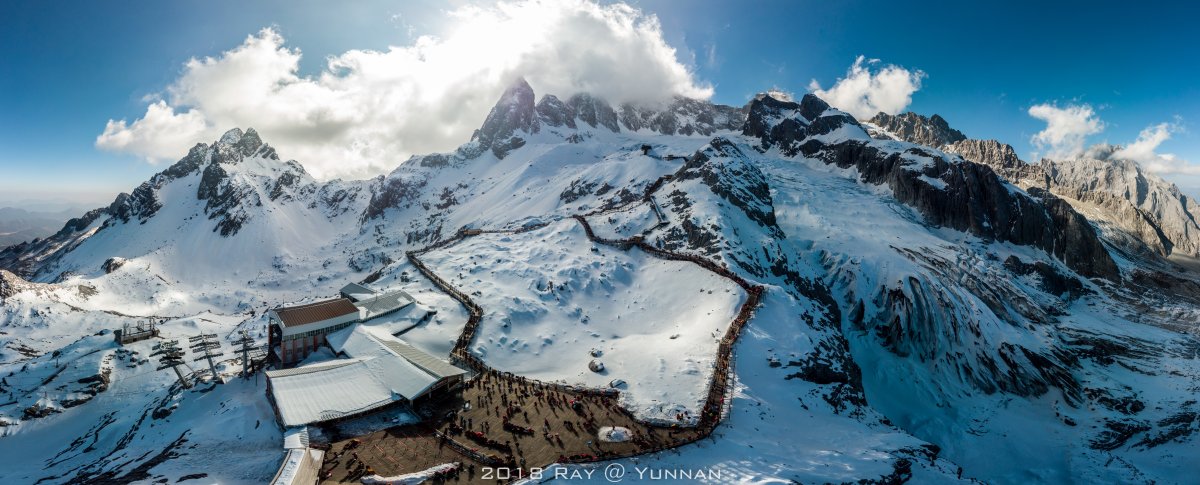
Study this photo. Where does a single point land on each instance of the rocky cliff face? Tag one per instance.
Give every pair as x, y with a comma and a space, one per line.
914, 128
229, 182
1151, 209
947, 191
516, 116
513, 114
684, 116
1000, 157
1117, 192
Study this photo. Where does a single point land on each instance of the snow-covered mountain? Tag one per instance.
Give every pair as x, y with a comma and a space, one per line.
927, 307
1141, 211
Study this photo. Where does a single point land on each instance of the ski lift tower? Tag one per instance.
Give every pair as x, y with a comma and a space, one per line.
209, 345
172, 357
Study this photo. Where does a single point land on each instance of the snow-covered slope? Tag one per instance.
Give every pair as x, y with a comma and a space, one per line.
1137, 210
921, 312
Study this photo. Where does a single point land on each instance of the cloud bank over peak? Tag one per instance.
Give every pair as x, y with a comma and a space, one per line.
367, 111
1144, 151
865, 91
1067, 128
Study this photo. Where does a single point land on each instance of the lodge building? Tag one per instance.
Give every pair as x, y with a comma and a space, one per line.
377, 370
296, 332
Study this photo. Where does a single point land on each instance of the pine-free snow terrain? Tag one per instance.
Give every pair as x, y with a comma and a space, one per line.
927, 316
554, 304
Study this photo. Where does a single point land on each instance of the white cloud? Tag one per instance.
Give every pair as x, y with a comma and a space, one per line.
158, 135
1145, 151
1066, 128
369, 110
864, 93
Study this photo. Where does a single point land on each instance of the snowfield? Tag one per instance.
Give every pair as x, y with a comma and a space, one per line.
553, 302
886, 348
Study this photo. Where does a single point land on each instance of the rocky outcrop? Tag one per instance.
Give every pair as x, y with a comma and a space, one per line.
554, 112
516, 116
723, 169
9, 284
1002, 159
113, 264
914, 128
594, 112
683, 116
1118, 192
948, 192
514, 113
1151, 209
226, 199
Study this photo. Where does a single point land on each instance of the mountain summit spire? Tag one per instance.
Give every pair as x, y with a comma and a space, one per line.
513, 112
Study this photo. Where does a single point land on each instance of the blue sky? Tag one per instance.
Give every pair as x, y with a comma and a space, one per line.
67, 68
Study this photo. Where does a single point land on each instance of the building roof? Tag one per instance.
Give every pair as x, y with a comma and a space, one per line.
433, 365
365, 342
301, 466
357, 291
315, 312
322, 392
382, 304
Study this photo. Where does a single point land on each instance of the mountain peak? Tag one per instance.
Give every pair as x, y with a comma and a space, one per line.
811, 107
236, 144
933, 131
514, 112
787, 124
230, 137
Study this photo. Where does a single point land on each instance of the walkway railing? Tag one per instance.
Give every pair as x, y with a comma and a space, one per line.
720, 387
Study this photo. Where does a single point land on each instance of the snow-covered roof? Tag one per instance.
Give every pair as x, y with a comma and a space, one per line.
295, 438
357, 292
428, 363
361, 341
301, 466
323, 392
382, 304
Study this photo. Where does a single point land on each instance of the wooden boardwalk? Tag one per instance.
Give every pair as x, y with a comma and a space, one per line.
546, 423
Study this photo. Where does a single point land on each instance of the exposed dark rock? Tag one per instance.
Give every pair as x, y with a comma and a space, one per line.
286, 181
722, 167
513, 113
1117, 433
395, 192
1002, 159
112, 264
1051, 280
594, 111
554, 112
911, 127
684, 116
1177, 426
436, 160
1152, 211
963, 195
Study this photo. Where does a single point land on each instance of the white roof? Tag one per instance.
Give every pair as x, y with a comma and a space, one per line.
295, 438
363, 342
357, 291
301, 466
373, 306
326, 391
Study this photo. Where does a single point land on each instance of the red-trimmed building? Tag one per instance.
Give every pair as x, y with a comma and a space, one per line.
296, 332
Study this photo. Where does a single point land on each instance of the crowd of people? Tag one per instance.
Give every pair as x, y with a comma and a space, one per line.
512, 397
